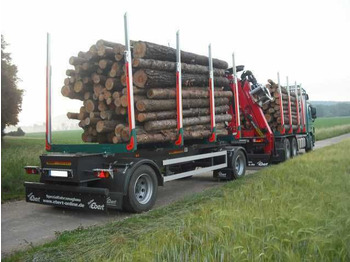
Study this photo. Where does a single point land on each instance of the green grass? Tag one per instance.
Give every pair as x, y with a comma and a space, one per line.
325, 122
328, 127
17, 152
295, 211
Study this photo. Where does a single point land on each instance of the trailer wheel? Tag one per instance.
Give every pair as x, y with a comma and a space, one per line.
238, 164
294, 147
142, 190
287, 150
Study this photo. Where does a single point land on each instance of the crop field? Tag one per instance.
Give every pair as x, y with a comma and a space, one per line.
295, 211
328, 127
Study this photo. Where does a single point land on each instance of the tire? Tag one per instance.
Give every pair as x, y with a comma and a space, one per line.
238, 164
287, 149
294, 147
309, 147
142, 190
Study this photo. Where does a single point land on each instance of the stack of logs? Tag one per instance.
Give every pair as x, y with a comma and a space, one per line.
272, 109
98, 79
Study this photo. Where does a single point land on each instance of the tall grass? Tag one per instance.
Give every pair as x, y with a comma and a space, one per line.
328, 132
298, 210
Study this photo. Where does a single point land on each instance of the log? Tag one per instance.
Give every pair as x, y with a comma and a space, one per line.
106, 126
149, 50
77, 60
162, 115
161, 105
102, 42
153, 78
104, 51
124, 99
116, 69
92, 121
137, 91
158, 93
80, 87
71, 115
68, 91
172, 136
113, 83
105, 64
152, 64
191, 121
119, 50
98, 79
90, 105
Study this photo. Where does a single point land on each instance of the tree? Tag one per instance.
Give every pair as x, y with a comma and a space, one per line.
11, 96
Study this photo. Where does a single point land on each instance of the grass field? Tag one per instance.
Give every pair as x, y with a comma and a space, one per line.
18, 152
298, 210
331, 126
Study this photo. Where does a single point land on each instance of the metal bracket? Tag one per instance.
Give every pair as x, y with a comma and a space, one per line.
132, 146
212, 137
180, 140
235, 91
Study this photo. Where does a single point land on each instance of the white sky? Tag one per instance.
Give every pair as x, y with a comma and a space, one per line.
307, 40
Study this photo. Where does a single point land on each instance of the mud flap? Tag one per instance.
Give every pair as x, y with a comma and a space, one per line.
93, 199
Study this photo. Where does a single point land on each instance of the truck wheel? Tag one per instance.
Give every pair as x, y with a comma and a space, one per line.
238, 164
309, 144
294, 147
142, 190
286, 146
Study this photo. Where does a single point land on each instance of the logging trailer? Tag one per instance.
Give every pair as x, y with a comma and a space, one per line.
126, 176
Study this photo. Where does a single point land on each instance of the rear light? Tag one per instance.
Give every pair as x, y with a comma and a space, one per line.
258, 140
103, 173
32, 170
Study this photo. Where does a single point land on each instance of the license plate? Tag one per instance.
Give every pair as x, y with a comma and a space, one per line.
58, 173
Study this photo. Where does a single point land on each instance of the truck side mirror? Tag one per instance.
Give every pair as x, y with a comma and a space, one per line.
313, 112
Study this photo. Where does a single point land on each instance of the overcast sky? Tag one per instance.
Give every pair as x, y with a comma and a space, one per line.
309, 41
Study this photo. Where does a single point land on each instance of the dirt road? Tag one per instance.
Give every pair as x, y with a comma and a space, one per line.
24, 225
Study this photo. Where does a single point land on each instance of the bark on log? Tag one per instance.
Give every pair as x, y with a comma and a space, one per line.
149, 50
162, 115
153, 78
119, 50
77, 60
106, 126
161, 105
158, 93
152, 64
172, 136
191, 121
71, 115
137, 91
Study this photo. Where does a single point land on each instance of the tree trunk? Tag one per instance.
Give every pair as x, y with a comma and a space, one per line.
162, 115
106, 126
148, 50
161, 105
152, 64
152, 78
191, 121
158, 93
71, 115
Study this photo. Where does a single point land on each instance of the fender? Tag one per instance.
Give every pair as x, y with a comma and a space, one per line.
132, 164
232, 149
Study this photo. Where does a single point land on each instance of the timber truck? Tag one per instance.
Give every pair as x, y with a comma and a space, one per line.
99, 177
